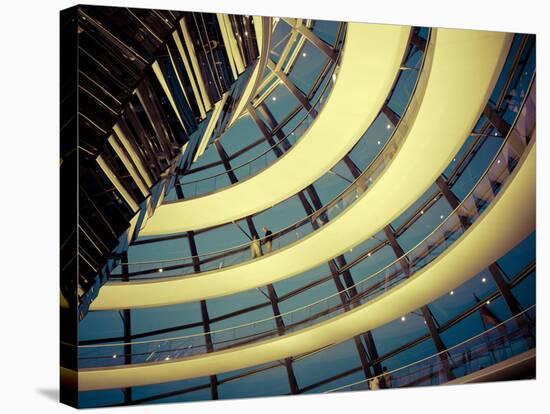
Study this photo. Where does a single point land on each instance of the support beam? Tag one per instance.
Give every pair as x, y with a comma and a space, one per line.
352, 167
452, 199
439, 345
511, 301
392, 116
127, 321
204, 315
265, 132
322, 46
293, 89
397, 249
418, 42
345, 295
274, 300
272, 123
225, 160
495, 119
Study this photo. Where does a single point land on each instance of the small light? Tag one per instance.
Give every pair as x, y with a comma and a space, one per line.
496, 133
498, 161
161, 270
304, 54
425, 322
334, 77
370, 254
452, 292
484, 280
246, 33
454, 159
292, 133
114, 356
167, 358
441, 217
421, 211
378, 142
488, 302
388, 126
402, 319
274, 98
351, 249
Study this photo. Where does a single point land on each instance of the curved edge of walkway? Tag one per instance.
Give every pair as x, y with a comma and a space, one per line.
480, 244
465, 66
372, 56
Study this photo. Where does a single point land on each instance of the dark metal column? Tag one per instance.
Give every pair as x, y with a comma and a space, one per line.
398, 250
274, 300
511, 301
204, 314
452, 199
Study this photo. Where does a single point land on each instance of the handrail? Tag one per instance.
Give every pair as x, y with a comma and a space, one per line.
438, 354
313, 109
358, 185
460, 208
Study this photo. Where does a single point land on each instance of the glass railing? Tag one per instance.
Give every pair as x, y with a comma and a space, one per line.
427, 250
496, 344
303, 227
215, 182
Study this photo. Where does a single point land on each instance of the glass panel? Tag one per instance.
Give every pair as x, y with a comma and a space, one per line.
326, 30
307, 67
519, 257
273, 381
326, 363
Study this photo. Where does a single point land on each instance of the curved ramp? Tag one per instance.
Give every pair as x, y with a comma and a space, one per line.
465, 67
512, 212
371, 59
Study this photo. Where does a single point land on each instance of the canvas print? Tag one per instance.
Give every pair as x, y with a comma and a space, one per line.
257, 206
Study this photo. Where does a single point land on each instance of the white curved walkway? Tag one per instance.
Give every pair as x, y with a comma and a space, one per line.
371, 59
512, 213
465, 67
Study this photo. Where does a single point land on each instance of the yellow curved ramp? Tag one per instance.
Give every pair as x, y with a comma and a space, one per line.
512, 213
371, 59
464, 69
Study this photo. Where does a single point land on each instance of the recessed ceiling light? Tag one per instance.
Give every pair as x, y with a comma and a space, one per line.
304, 54
274, 98
161, 270
402, 319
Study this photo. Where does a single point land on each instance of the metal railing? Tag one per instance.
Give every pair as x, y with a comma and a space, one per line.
427, 250
512, 337
213, 183
294, 232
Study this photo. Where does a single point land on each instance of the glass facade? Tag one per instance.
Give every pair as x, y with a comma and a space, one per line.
284, 81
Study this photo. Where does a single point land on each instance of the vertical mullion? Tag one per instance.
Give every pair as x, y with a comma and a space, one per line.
434, 334
204, 314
